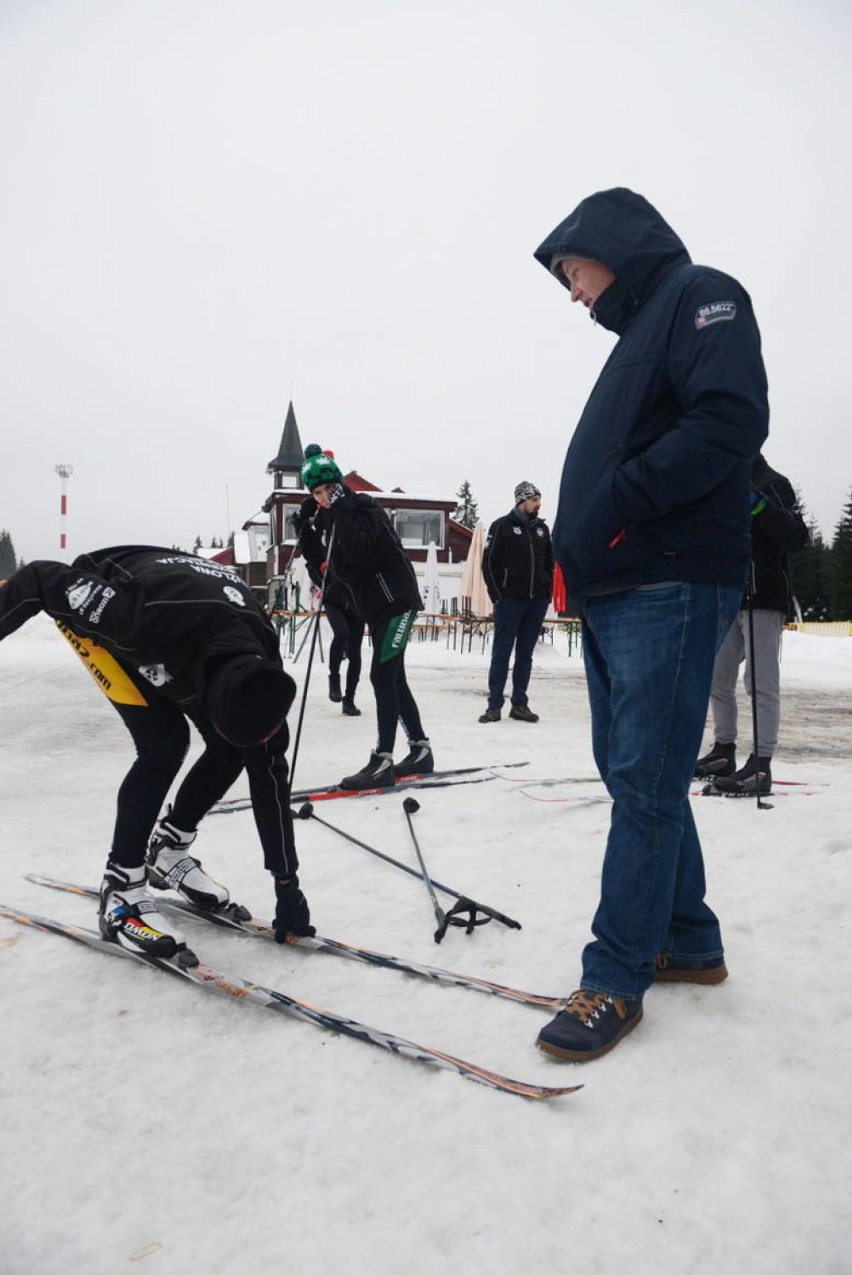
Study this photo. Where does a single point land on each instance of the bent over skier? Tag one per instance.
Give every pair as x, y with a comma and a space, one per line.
169, 636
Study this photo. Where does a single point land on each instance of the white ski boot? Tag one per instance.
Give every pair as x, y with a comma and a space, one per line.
129, 916
171, 867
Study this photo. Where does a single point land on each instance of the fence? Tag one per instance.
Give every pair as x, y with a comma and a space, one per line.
827, 628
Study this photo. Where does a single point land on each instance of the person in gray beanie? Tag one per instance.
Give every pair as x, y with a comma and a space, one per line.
518, 568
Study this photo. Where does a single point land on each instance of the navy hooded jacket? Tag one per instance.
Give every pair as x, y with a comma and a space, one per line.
655, 484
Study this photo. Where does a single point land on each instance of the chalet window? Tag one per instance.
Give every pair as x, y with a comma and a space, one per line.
416, 527
289, 526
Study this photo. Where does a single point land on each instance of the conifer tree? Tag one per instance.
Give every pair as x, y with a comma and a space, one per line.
809, 569
840, 567
8, 563
467, 510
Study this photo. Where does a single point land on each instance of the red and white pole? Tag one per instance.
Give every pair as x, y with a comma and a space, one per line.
64, 472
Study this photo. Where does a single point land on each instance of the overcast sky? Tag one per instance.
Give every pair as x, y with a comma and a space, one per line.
208, 207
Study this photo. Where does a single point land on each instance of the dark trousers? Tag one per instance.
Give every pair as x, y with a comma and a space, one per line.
394, 700
517, 623
160, 734
348, 629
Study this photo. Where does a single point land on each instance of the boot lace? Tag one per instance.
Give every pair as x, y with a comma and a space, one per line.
587, 1006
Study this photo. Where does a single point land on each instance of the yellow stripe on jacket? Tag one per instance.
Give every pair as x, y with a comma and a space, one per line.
110, 677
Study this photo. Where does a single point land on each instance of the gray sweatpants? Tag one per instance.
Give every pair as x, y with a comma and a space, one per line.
768, 627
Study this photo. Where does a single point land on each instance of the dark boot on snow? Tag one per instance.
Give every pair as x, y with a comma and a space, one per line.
378, 773
719, 763
419, 760
751, 779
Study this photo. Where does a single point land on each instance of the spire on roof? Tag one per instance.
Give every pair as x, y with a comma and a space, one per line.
290, 451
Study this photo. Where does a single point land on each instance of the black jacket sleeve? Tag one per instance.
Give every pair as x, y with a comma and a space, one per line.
781, 520
93, 606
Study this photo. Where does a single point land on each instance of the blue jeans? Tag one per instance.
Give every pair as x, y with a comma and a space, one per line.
649, 656
517, 623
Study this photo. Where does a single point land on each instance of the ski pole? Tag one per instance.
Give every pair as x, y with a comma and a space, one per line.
453, 917
310, 662
306, 811
750, 592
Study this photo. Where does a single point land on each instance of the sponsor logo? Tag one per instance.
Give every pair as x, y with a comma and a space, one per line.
202, 568
156, 674
715, 312
517, 531
79, 594
105, 597
234, 595
401, 630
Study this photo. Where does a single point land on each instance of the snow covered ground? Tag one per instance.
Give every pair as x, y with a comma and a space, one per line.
147, 1125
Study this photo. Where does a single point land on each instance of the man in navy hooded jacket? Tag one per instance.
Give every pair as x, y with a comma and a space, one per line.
652, 534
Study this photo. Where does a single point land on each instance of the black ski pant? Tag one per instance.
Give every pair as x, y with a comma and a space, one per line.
160, 734
394, 700
348, 629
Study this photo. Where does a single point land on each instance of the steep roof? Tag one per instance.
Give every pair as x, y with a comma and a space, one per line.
290, 452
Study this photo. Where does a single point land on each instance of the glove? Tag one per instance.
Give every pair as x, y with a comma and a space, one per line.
305, 513
756, 503
292, 915
337, 493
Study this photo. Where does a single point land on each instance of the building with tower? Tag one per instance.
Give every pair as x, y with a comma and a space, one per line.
265, 549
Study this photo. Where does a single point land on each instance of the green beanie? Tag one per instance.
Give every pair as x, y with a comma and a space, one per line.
319, 467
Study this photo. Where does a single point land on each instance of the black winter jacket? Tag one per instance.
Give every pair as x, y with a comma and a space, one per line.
776, 531
163, 613
518, 558
312, 545
366, 558
656, 478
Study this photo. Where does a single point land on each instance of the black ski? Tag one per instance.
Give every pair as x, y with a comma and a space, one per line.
242, 989
236, 917
437, 779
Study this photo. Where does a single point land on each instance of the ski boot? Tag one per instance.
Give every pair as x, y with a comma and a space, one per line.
378, 773
171, 867
419, 760
719, 763
128, 915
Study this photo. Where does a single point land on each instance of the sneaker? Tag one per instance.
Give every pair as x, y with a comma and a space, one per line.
522, 713
685, 969
334, 692
349, 708
744, 782
128, 916
418, 762
720, 762
378, 773
170, 867
590, 1025
491, 715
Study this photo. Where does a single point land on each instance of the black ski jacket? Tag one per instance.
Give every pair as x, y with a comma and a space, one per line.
365, 559
160, 612
518, 558
656, 478
776, 531
312, 545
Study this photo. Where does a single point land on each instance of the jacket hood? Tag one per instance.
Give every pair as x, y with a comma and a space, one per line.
621, 229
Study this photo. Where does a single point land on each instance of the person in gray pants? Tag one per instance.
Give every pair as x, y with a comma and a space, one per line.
777, 530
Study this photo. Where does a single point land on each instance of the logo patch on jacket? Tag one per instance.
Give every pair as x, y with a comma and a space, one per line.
156, 674
715, 312
78, 595
234, 595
